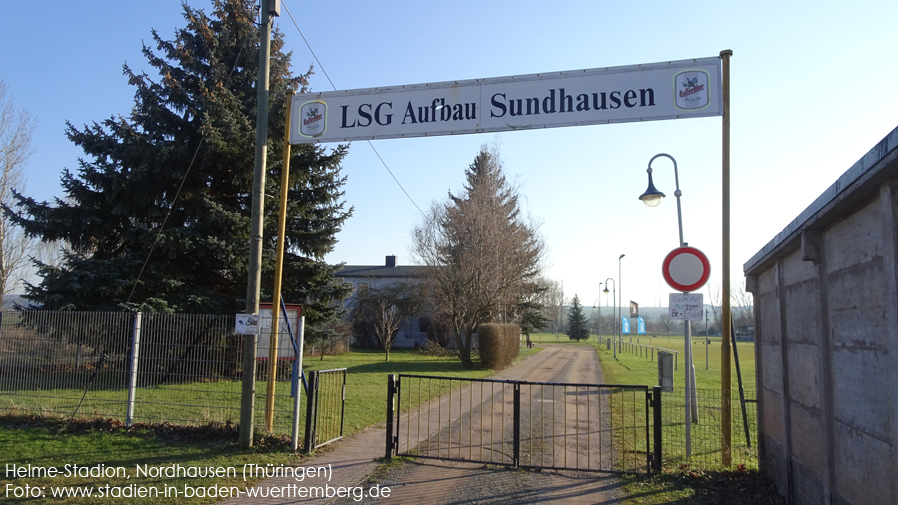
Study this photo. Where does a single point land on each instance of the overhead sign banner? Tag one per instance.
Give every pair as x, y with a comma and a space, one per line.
655, 91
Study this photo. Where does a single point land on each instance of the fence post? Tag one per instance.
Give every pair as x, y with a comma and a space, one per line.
391, 393
297, 371
516, 457
132, 381
656, 428
311, 395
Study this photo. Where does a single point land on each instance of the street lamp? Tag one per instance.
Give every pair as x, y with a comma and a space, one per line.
597, 304
620, 340
613, 293
652, 197
598, 318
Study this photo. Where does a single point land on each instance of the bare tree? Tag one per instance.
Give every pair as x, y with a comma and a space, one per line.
552, 301
666, 323
481, 257
383, 310
741, 303
743, 307
715, 300
609, 324
16, 129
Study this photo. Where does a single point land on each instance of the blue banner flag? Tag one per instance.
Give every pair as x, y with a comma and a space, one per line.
641, 325
624, 325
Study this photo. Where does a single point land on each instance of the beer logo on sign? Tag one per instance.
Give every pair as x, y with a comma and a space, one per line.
313, 119
691, 90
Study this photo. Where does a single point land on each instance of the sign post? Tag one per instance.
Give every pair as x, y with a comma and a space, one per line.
686, 269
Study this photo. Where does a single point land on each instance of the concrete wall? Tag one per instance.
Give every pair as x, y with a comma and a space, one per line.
826, 323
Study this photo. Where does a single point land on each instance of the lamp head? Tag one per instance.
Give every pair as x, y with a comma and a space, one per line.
652, 197
605, 290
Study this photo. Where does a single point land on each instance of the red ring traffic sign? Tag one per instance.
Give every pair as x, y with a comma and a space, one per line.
686, 269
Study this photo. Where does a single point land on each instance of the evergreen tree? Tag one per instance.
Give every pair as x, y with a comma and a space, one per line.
577, 328
157, 215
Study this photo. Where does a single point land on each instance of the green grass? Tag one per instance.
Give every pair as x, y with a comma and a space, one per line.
628, 367
200, 402
366, 383
43, 445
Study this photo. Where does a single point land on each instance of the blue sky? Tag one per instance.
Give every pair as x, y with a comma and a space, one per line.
813, 89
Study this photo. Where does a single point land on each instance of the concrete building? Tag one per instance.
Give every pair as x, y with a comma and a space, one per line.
374, 277
826, 328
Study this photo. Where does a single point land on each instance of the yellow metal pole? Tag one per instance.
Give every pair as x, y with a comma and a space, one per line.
725, 373
278, 274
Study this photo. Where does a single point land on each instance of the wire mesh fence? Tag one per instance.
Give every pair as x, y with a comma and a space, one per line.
151, 368
705, 441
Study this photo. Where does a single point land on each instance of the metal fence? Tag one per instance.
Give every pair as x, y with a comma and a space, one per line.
183, 369
705, 441
325, 407
564, 426
518, 423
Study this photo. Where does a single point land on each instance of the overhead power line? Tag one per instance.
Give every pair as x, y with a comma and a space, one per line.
384, 163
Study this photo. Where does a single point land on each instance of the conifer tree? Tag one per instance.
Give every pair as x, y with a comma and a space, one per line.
577, 328
157, 215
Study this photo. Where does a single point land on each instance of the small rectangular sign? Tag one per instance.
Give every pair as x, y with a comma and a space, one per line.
686, 306
666, 90
247, 324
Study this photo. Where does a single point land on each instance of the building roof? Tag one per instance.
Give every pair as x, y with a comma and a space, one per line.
378, 271
387, 270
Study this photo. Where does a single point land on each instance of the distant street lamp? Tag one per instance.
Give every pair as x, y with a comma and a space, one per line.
597, 304
620, 305
613, 290
652, 197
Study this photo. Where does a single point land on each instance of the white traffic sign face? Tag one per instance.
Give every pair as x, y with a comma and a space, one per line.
686, 269
686, 306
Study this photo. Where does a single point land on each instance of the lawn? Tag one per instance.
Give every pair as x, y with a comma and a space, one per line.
42, 443
635, 366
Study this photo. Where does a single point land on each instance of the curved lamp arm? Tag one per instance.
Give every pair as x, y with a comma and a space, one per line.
652, 197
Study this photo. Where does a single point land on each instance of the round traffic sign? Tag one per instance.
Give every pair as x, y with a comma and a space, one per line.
686, 269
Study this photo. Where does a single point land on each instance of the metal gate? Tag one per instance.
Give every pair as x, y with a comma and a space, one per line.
325, 406
597, 427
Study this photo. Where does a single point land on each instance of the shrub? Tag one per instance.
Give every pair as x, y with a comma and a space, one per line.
499, 344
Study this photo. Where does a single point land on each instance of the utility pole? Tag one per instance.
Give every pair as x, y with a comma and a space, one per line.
270, 8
